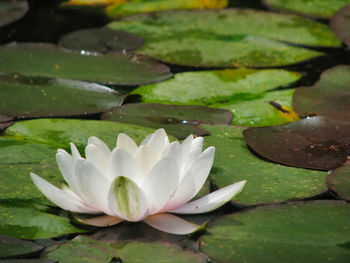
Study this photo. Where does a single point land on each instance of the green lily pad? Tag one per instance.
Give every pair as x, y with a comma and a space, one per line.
315, 8
228, 38
266, 182
179, 121
328, 97
85, 249
46, 60
315, 143
209, 87
11, 11
143, 6
11, 247
100, 40
316, 231
340, 24
339, 181
53, 97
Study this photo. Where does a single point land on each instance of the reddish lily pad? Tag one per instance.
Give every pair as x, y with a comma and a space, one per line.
316, 143
11, 11
101, 40
340, 24
5, 121
339, 181
179, 121
329, 97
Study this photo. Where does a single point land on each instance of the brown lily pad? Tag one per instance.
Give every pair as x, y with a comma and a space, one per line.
11, 11
5, 121
340, 24
329, 97
339, 181
315, 143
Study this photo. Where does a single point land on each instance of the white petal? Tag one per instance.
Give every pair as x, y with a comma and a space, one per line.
211, 201
100, 144
146, 140
123, 164
66, 166
161, 183
93, 184
59, 197
186, 147
99, 157
172, 224
158, 142
146, 159
127, 200
75, 152
100, 221
126, 143
195, 152
174, 151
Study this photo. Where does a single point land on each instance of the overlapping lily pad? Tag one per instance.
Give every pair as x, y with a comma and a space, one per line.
316, 231
329, 97
227, 38
179, 121
53, 97
340, 23
266, 182
339, 181
11, 11
46, 60
315, 143
5, 121
316, 8
100, 40
11, 247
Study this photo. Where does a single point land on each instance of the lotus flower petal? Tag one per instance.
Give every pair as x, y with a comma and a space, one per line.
75, 153
123, 164
158, 142
100, 221
126, 143
98, 153
146, 159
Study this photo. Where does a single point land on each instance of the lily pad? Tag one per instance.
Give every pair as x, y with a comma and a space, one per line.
316, 231
340, 24
266, 182
339, 181
100, 40
46, 60
5, 121
143, 6
315, 8
53, 97
11, 247
179, 121
329, 97
315, 143
228, 38
11, 11
85, 249
209, 87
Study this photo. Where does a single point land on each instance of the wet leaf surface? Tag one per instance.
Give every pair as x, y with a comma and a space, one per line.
179, 121
318, 231
11, 247
53, 97
266, 182
46, 60
11, 11
100, 40
339, 181
330, 96
316, 143
340, 24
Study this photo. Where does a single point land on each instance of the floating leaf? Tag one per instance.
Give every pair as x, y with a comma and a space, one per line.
340, 24
5, 121
227, 38
46, 60
11, 247
316, 8
179, 121
53, 97
318, 231
100, 40
315, 143
339, 181
85, 249
93, 2
11, 11
329, 97
266, 182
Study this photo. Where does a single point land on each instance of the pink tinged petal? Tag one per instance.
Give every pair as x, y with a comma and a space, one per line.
146, 159
173, 224
211, 201
158, 142
127, 200
99, 158
59, 197
123, 164
100, 221
126, 143
161, 184
94, 185
75, 153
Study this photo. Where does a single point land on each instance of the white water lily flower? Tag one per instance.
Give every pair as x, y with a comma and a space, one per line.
150, 182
